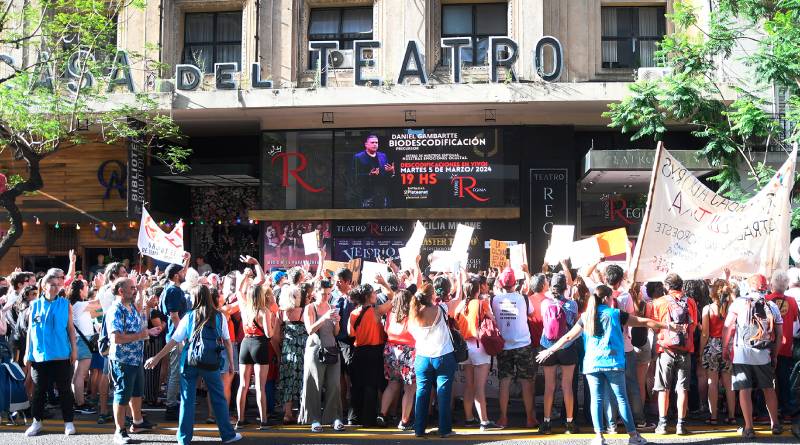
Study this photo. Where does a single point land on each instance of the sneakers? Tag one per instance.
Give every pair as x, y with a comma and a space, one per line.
472, 423
661, 428
34, 429
380, 422
263, 426
544, 428
446, 435
316, 427
637, 439
777, 430
338, 425
612, 429
85, 409
69, 429
241, 424
140, 427
681, 429
233, 439
121, 437
571, 428
405, 426
490, 426
598, 441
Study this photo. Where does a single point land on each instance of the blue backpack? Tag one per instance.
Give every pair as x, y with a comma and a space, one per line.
205, 346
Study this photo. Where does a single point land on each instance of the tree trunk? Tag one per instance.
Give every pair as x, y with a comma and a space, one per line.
8, 200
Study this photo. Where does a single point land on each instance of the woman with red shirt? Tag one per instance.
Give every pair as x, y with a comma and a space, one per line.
398, 361
365, 326
714, 313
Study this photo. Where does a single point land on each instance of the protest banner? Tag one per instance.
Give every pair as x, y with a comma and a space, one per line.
560, 242
159, 245
613, 242
692, 231
497, 253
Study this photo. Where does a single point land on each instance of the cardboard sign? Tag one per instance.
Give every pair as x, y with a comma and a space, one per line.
613, 242
518, 256
497, 254
332, 266
311, 242
560, 242
370, 270
585, 252
462, 239
441, 261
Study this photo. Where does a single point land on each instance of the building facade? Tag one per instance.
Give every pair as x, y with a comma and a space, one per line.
482, 112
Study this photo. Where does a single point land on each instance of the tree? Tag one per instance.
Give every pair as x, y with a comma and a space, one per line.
60, 78
693, 92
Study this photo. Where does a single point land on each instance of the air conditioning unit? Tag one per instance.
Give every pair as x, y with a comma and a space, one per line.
652, 73
341, 59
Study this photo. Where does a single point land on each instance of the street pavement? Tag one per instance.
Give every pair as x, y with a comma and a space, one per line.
89, 433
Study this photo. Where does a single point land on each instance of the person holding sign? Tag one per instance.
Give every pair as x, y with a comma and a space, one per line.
604, 362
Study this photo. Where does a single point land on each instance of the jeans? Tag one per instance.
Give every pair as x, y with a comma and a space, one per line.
599, 385
174, 376
188, 381
783, 373
438, 370
44, 374
631, 390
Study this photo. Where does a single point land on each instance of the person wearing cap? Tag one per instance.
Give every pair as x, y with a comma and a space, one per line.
753, 368
173, 303
558, 302
516, 360
673, 364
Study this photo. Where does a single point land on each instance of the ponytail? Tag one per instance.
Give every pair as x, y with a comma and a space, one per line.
592, 324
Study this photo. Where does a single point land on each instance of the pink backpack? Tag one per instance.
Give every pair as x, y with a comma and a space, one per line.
554, 320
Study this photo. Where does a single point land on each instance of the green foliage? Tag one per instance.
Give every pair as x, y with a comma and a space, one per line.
736, 120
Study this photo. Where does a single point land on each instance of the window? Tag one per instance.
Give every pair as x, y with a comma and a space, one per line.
344, 25
478, 21
629, 36
210, 38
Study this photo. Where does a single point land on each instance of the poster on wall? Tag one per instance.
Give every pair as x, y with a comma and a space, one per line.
283, 242
439, 237
423, 168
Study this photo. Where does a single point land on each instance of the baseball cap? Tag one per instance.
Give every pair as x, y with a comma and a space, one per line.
507, 278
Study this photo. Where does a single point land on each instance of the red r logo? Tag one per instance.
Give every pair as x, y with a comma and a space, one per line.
617, 208
302, 163
462, 188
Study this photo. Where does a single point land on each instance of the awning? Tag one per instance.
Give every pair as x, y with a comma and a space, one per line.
613, 170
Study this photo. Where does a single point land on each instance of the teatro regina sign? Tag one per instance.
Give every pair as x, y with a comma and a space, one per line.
503, 53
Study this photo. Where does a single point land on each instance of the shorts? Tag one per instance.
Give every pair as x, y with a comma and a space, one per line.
398, 363
672, 368
477, 355
643, 354
753, 376
98, 361
563, 357
518, 363
254, 351
128, 381
83, 350
712, 356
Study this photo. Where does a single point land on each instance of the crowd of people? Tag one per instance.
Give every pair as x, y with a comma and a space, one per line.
322, 350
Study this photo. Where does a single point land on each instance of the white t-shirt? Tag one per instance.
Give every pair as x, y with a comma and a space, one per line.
742, 354
106, 297
182, 331
794, 292
512, 321
625, 303
82, 318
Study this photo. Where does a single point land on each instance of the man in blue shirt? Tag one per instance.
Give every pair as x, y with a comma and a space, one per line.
173, 304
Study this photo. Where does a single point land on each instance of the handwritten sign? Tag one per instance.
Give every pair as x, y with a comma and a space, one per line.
497, 253
311, 242
690, 230
157, 244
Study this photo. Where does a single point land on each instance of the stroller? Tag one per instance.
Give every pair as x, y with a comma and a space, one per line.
13, 398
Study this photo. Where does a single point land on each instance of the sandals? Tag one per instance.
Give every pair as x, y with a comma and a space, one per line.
747, 433
712, 422
730, 421
316, 427
777, 430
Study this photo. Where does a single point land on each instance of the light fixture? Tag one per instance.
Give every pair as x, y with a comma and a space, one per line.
113, 227
490, 115
327, 117
58, 226
37, 220
411, 116
78, 226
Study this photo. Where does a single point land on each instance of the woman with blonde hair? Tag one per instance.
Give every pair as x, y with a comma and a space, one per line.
714, 313
258, 326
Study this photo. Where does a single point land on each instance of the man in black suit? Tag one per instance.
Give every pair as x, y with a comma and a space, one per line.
371, 171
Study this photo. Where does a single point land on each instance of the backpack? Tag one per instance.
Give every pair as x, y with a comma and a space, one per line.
554, 319
488, 334
678, 312
103, 341
205, 346
759, 332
